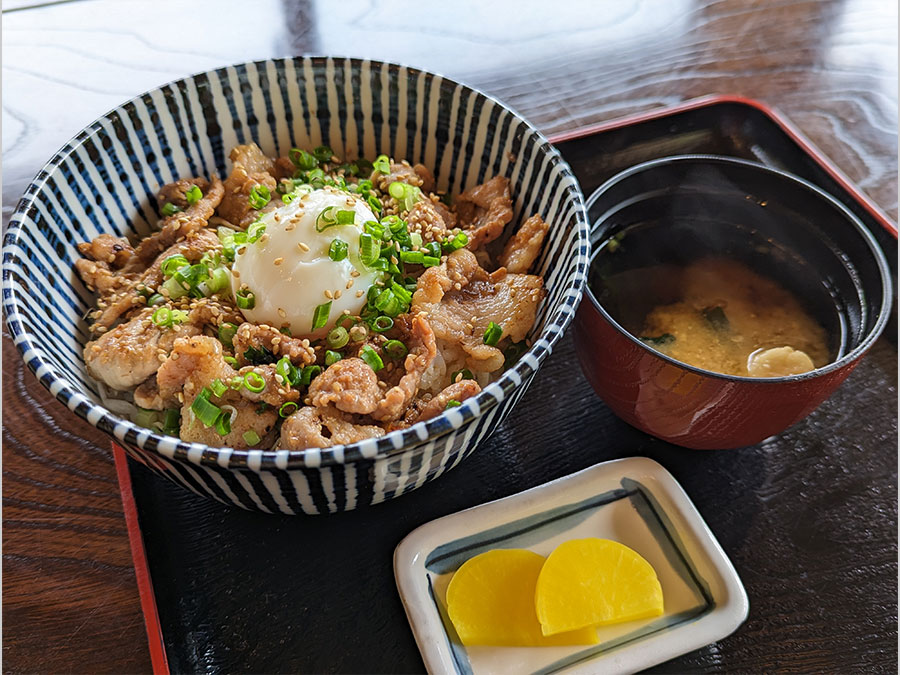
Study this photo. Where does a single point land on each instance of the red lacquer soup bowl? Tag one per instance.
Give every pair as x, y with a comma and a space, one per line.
676, 210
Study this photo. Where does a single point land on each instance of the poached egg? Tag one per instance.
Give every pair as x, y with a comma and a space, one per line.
289, 270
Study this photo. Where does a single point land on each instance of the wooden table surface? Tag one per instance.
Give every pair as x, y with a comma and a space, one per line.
70, 601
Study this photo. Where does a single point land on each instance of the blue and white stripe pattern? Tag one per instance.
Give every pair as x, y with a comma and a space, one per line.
104, 180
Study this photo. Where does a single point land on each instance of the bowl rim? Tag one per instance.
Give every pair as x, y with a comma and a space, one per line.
779, 174
392, 443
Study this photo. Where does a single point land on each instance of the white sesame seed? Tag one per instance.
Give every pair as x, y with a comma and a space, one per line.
278, 261
329, 295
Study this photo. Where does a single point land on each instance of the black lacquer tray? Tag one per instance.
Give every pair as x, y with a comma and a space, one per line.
808, 517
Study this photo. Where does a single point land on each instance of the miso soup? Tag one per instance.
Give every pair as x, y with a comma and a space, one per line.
732, 320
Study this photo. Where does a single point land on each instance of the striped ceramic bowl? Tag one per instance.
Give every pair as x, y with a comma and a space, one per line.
104, 180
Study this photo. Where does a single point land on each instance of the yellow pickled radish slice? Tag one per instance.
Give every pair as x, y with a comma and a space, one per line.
587, 582
490, 601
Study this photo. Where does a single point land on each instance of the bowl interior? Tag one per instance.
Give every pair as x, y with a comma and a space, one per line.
652, 221
105, 179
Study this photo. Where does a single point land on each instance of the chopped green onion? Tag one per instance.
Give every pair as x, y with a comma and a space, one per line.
165, 317
415, 239
369, 249
323, 153
331, 357
174, 288
430, 261
346, 217
193, 195
205, 411
374, 228
218, 387
259, 196
256, 230
396, 225
288, 372
218, 280
236, 382
288, 409
155, 299
223, 423
382, 164
412, 257
227, 239
433, 249
320, 317
326, 218
337, 337
395, 349
231, 361
370, 356
170, 209
406, 195
382, 323
162, 317
251, 437
338, 250
388, 303
145, 418
171, 421
452, 403
457, 242
303, 159
464, 374
492, 334
403, 295
225, 234
316, 178
190, 275
226, 333
254, 381
245, 299
171, 264
374, 203
308, 373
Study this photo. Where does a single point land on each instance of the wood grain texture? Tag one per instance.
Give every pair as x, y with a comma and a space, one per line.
69, 594
69, 598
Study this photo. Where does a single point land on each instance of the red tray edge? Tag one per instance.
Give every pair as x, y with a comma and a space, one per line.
778, 118
158, 659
